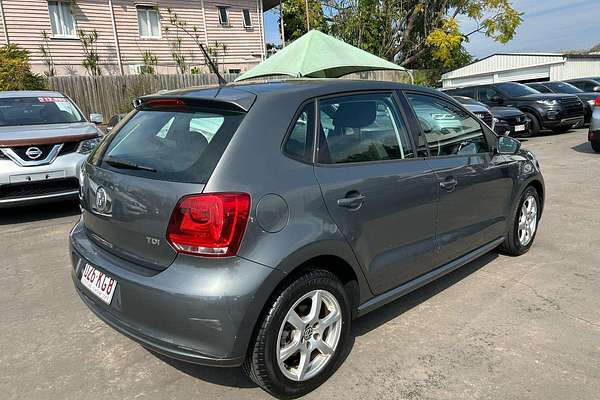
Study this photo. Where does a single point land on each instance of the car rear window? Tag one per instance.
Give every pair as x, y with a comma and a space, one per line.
18, 111
179, 146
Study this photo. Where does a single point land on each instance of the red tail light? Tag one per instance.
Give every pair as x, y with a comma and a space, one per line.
162, 103
597, 104
211, 224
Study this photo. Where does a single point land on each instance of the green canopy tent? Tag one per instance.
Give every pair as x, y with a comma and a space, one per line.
317, 55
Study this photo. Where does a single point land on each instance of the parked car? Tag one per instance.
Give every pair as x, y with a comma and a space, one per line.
506, 120
594, 132
559, 112
586, 84
248, 225
479, 109
44, 138
588, 98
113, 121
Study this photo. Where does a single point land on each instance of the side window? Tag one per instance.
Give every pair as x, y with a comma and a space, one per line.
589, 86
578, 84
466, 92
362, 128
486, 94
540, 88
299, 144
448, 129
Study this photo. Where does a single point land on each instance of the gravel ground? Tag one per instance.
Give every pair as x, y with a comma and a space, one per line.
499, 328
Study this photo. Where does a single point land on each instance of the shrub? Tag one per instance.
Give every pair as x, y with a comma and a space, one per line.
15, 71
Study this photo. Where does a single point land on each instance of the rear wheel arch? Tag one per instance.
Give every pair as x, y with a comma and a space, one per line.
353, 281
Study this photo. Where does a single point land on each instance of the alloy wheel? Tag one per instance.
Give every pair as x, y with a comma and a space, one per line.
309, 335
527, 220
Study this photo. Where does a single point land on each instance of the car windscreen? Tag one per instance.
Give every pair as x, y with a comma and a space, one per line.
562, 87
516, 89
18, 111
178, 146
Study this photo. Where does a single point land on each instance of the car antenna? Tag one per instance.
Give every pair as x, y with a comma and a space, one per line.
222, 80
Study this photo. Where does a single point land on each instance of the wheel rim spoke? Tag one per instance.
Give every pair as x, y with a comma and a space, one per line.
329, 319
289, 350
303, 364
295, 320
315, 308
324, 348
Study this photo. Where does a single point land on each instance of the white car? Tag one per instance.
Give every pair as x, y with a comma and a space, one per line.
44, 138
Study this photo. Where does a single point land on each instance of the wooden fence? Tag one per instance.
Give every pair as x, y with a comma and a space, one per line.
111, 95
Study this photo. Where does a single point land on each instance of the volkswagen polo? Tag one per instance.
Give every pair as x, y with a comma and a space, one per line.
250, 224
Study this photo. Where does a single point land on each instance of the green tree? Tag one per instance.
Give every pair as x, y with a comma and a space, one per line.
15, 72
91, 57
194, 33
413, 32
47, 55
150, 63
294, 18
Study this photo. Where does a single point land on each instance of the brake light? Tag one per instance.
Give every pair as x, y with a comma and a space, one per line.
164, 103
210, 224
597, 104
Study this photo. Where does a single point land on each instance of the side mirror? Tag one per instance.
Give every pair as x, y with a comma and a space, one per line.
96, 118
497, 99
596, 89
507, 145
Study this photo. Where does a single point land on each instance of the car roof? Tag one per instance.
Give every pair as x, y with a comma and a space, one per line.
290, 87
11, 94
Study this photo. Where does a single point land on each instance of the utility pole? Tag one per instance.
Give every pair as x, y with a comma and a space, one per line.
281, 23
307, 17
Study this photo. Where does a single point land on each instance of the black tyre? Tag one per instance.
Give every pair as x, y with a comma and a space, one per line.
596, 146
534, 126
524, 224
562, 129
302, 337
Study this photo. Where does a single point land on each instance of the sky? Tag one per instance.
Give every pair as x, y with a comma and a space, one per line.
548, 26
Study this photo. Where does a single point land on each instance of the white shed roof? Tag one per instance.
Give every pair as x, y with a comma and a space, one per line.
503, 62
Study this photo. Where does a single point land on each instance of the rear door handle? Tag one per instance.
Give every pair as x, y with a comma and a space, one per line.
449, 184
353, 200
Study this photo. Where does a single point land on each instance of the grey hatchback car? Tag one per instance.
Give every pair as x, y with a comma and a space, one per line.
250, 224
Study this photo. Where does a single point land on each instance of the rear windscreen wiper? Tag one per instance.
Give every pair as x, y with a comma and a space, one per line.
118, 163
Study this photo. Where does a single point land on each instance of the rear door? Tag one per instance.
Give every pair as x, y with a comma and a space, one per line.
138, 174
475, 187
380, 195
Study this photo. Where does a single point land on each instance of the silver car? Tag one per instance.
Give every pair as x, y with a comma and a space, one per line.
44, 139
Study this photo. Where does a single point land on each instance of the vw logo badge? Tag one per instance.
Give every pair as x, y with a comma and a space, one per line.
101, 200
33, 153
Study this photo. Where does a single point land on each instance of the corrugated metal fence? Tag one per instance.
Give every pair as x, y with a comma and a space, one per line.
111, 95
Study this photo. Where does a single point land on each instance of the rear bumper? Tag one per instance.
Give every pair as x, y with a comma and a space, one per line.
67, 166
199, 310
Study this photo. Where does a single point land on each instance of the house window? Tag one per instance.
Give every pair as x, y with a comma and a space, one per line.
148, 22
247, 19
223, 16
61, 19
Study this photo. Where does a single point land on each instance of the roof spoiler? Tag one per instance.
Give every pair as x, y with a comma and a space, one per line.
163, 102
